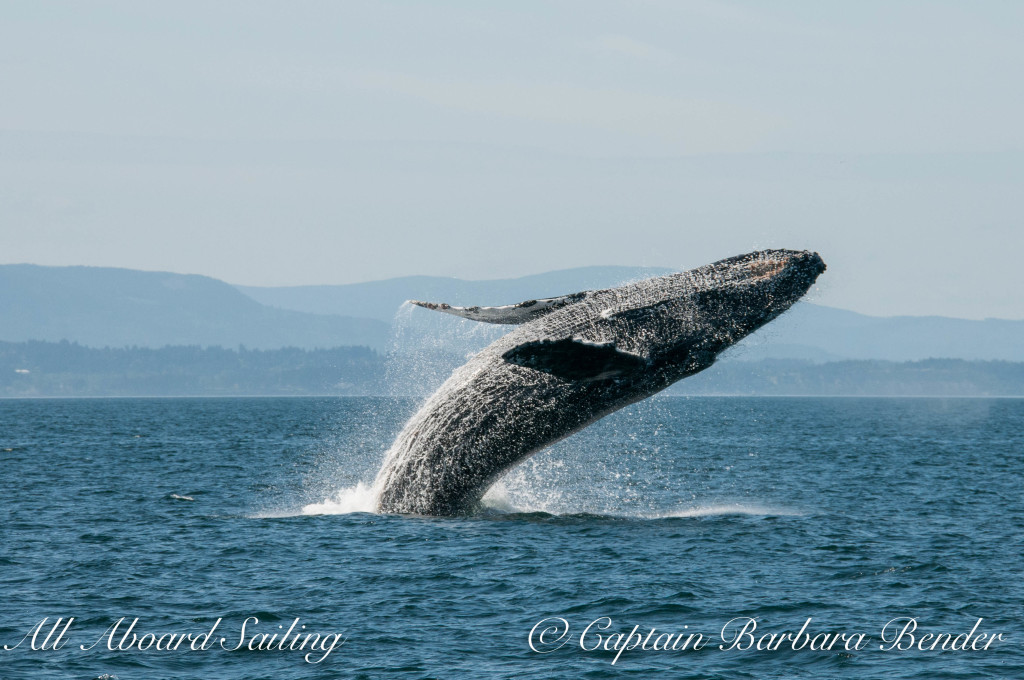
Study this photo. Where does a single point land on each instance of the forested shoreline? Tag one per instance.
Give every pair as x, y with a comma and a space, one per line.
67, 369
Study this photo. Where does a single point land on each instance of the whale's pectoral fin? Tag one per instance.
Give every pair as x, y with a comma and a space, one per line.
575, 360
510, 314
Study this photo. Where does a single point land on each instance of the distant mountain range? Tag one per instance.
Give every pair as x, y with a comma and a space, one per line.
105, 307
381, 299
102, 307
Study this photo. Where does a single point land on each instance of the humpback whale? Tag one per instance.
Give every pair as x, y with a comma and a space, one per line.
570, 361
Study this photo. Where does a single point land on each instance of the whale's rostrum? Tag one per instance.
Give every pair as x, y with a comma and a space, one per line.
572, 360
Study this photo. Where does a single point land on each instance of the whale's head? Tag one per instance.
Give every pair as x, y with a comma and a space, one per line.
689, 318
661, 329
741, 294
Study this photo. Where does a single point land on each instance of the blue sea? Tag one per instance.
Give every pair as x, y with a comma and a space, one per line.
681, 537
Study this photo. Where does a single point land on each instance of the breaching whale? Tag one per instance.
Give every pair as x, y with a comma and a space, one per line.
572, 360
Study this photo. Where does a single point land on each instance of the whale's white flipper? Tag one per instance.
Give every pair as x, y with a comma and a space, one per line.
507, 314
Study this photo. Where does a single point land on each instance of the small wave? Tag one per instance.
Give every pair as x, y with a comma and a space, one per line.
176, 497
729, 509
358, 498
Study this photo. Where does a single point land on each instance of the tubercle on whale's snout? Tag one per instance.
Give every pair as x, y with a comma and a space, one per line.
810, 259
815, 261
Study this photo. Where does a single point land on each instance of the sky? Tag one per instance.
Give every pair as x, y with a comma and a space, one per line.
293, 143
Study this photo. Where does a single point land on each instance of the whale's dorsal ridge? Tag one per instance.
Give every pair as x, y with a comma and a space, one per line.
575, 360
506, 314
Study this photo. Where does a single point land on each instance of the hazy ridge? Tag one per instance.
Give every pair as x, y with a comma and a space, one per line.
43, 369
108, 307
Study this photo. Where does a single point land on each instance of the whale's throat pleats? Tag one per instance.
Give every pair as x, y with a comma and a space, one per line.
575, 360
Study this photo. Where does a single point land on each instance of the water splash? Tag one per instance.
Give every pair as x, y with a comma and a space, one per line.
499, 500
511, 497
359, 498
426, 347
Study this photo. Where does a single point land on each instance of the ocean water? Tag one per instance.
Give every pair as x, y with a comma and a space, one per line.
733, 519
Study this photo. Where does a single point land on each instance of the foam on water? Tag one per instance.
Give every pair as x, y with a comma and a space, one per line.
501, 499
359, 498
511, 496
